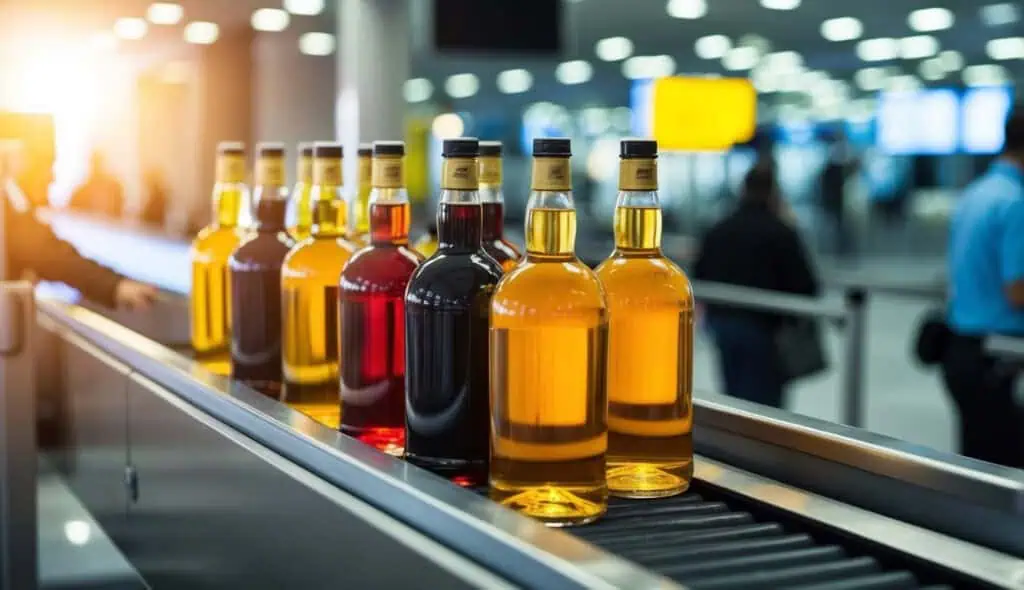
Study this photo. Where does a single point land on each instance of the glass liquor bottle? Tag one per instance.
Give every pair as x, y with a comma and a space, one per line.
650, 342
210, 298
300, 204
255, 268
309, 288
361, 214
427, 243
493, 203
549, 323
447, 310
373, 311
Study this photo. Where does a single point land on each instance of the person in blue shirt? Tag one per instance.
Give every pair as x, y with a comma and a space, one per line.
986, 270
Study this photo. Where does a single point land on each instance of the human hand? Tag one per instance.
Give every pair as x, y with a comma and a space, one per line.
134, 295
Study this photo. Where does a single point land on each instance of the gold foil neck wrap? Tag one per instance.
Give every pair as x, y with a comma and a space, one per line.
305, 169
388, 172
327, 171
551, 174
230, 168
638, 174
490, 170
459, 174
365, 170
270, 171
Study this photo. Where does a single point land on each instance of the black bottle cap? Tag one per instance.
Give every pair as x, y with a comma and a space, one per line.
638, 148
552, 147
490, 148
231, 148
306, 150
365, 150
389, 148
327, 149
270, 149
460, 147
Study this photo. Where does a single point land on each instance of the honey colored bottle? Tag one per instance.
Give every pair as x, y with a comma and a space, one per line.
650, 342
256, 279
210, 298
373, 311
309, 286
361, 206
549, 323
300, 204
493, 202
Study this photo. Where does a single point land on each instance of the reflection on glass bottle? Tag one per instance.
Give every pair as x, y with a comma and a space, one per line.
650, 342
300, 205
256, 279
210, 299
373, 311
493, 202
446, 322
427, 243
361, 207
549, 325
309, 287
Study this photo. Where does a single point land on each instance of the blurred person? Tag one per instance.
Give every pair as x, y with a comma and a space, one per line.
832, 194
101, 192
755, 246
986, 270
34, 252
154, 212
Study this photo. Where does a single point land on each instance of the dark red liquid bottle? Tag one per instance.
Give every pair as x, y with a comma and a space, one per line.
372, 312
493, 203
447, 321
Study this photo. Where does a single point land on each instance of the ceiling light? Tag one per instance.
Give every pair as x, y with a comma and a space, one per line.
316, 43
985, 75
514, 81
780, 4
643, 67
930, 19
870, 79
712, 46
306, 7
996, 15
165, 13
614, 48
417, 90
130, 28
462, 85
201, 32
844, 28
932, 69
951, 60
576, 71
269, 19
783, 61
904, 83
688, 9
766, 82
1007, 48
880, 49
758, 42
447, 126
918, 47
740, 58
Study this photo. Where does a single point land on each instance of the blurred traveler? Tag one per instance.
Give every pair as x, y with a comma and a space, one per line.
832, 188
101, 192
34, 252
986, 270
754, 247
154, 212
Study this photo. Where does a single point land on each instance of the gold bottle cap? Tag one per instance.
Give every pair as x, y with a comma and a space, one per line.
231, 167
551, 174
388, 165
638, 167
270, 164
327, 164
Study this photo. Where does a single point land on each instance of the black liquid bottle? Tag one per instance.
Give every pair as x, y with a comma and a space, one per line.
447, 314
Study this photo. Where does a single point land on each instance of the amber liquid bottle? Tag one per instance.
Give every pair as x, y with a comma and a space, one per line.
549, 323
210, 298
373, 312
309, 291
256, 280
650, 342
361, 206
493, 203
300, 202
427, 243
446, 324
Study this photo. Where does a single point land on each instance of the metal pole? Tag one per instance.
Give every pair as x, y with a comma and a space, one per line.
853, 378
18, 462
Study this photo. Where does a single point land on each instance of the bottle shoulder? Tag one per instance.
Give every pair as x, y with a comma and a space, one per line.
318, 253
262, 250
379, 269
551, 286
213, 238
647, 279
453, 279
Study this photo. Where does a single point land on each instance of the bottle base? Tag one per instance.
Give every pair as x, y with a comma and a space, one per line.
461, 472
389, 440
647, 480
554, 506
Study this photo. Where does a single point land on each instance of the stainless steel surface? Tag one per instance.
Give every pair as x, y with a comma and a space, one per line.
18, 535
1005, 346
770, 301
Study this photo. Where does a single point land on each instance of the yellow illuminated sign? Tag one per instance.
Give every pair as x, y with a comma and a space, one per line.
703, 114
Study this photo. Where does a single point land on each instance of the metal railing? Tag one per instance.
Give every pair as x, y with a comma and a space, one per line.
1007, 347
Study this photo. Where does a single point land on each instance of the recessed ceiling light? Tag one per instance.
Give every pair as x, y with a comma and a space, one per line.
985, 75
930, 19
880, 49
447, 126
918, 47
951, 60
780, 4
462, 85
201, 32
417, 90
576, 71
165, 13
870, 79
844, 28
645, 67
316, 43
1006, 48
306, 7
269, 19
783, 61
514, 81
932, 69
130, 28
614, 48
688, 9
997, 15
904, 83
712, 46
740, 58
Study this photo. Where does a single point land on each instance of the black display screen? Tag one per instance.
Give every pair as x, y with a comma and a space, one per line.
498, 26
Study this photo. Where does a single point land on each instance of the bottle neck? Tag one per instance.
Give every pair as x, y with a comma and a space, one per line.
271, 207
493, 220
362, 203
459, 221
330, 212
389, 217
227, 203
638, 222
551, 225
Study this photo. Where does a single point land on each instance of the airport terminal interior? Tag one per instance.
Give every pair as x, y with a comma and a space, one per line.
310, 294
